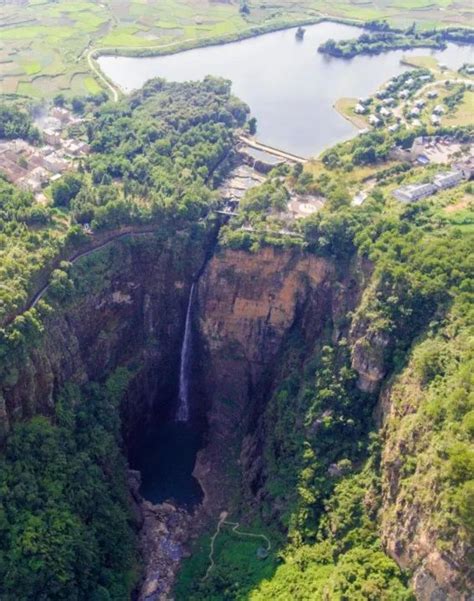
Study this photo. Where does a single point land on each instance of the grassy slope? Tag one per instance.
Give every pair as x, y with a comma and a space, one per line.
43, 44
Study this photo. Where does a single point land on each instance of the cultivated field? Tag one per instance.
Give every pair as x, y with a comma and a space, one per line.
44, 43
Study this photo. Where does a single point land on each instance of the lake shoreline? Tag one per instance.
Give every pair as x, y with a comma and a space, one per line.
252, 32
294, 92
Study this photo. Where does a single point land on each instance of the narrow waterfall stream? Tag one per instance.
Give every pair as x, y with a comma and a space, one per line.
166, 451
182, 413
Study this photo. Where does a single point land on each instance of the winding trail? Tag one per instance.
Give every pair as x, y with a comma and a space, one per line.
95, 245
223, 521
440, 82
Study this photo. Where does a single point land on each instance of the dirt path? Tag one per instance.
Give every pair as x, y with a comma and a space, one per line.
75, 256
440, 82
235, 525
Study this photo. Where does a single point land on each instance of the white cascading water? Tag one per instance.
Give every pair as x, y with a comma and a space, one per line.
182, 414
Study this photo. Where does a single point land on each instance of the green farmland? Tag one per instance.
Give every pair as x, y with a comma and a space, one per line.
44, 44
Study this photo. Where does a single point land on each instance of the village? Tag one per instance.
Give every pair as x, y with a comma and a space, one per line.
32, 168
415, 98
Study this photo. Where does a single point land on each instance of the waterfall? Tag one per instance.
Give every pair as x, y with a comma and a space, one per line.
182, 414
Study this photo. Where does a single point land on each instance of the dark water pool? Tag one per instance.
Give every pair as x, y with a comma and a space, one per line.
165, 458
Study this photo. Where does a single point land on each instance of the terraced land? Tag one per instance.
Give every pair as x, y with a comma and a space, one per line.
44, 43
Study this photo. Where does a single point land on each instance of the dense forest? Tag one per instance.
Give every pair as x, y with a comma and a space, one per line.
65, 522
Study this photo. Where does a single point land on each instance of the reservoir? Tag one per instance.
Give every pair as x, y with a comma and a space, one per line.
289, 86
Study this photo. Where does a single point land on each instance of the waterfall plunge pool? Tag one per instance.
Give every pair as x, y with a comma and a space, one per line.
166, 453
165, 457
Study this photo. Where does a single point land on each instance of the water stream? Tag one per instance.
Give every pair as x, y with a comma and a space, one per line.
182, 413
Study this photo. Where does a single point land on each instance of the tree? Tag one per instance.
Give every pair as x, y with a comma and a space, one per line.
66, 189
252, 125
244, 8
59, 100
78, 105
297, 170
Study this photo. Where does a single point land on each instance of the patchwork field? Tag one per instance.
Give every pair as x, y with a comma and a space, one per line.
44, 43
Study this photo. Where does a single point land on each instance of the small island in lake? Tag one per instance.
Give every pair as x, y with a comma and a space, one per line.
383, 38
299, 35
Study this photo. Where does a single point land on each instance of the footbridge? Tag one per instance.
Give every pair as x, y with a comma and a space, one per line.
283, 154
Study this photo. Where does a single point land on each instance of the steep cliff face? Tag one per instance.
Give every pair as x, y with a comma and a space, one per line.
249, 304
420, 519
127, 309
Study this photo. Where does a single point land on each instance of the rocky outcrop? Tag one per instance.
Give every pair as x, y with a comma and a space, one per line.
163, 539
411, 516
368, 357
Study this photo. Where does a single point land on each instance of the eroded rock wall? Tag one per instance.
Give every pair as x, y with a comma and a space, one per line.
249, 304
127, 310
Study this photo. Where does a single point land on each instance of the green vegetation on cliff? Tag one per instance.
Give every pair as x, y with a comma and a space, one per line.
340, 491
156, 158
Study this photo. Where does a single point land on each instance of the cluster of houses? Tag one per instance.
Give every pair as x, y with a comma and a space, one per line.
441, 181
389, 96
419, 105
30, 167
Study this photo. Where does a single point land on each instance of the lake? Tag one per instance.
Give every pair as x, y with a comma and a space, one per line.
289, 86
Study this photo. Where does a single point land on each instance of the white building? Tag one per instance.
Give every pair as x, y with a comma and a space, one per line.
432, 94
394, 127
435, 120
385, 112
360, 109
375, 121
76, 147
438, 109
448, 179
55, 163
420, 103
61, 113
414, 112
414, 192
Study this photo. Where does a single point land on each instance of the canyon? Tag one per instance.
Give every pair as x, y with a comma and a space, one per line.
129, 309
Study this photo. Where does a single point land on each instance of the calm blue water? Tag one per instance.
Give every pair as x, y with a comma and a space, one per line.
166, 460
289, 86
